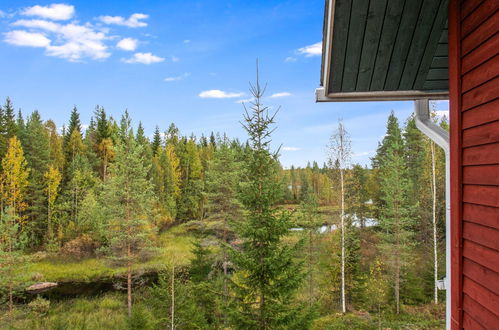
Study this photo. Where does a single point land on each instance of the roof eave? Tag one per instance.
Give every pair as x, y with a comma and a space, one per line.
320, 96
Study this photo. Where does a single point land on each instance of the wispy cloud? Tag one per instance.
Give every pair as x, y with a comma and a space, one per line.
175, 59
128, 44
134, 21
144, 58
290, 59
55, 11
186, 41
251, 99
311, 50
290, 148
27, 39
218, 94
181, 77
281, 94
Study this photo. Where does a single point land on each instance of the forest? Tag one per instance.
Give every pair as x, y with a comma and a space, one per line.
108, 228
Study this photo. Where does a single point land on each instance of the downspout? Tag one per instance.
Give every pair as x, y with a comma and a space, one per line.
441, 137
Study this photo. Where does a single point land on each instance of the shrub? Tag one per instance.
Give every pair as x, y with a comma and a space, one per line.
80, 247
39, 306
141, 319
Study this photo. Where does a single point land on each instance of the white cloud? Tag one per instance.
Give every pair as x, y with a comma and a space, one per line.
71, 41
144, 58
282, 94
133, 21
251, 99
290, 149
28, 39
218, 94
128, 44
290, 59
311, 50
38, 24
79, 42
56, 11
181, 77
2, 13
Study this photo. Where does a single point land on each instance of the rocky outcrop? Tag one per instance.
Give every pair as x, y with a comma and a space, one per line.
41, 287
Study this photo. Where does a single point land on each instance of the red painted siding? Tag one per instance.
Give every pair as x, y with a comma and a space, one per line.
474, 104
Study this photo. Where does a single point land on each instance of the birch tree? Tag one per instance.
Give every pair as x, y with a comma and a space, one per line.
53, 179
340, 154
14, 185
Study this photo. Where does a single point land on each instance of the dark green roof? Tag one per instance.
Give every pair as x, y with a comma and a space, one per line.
384, 49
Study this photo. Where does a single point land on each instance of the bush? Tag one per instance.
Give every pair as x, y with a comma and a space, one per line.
39, 306
80, 247
141, 319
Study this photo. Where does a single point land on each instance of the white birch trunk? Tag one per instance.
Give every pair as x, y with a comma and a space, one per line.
343, 303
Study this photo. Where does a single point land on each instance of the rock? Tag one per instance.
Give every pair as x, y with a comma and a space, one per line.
41, 287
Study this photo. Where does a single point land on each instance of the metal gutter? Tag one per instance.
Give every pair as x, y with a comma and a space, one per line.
327, 44
321, 96
441, 137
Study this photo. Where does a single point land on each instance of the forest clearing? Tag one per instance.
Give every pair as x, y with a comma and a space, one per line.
114, 228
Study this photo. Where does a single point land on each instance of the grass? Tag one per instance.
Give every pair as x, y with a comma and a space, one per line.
105, 312
108, 311
413, 321
175, 246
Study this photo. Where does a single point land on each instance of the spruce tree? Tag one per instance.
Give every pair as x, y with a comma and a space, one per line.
8, 127
189, 203
395, 217
222, 181
267, 273
128, 194
36, 147
156, 141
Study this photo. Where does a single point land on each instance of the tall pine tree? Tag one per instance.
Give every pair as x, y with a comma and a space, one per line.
267, 274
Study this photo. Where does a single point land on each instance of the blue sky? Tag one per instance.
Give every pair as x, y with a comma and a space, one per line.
187, 62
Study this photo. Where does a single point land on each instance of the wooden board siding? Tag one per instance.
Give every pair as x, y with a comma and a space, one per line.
474, 103
389, 45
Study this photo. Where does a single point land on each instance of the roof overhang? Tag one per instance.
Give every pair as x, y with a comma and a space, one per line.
384, 50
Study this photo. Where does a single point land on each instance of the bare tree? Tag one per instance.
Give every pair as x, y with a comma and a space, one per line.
340, 153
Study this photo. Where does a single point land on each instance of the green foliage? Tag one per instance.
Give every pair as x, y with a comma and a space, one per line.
200, 264
189, 204
192, 306
116, 188
267, 275
141, 319
39, 306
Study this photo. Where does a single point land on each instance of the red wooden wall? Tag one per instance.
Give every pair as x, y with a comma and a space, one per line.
474, 106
